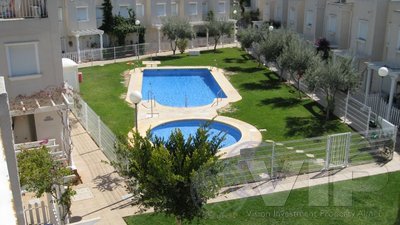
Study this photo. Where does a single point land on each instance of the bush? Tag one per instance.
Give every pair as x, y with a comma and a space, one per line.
182, 45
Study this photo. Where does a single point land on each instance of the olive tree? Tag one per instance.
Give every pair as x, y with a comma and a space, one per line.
297, 56
174, 176
248, 36
274, 44
218, 28
175, 29
330, 77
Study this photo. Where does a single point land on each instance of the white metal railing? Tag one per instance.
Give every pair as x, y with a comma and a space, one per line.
10, 9
380, 107
137, 50
96, 128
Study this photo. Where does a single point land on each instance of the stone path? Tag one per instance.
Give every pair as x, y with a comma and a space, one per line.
102, 192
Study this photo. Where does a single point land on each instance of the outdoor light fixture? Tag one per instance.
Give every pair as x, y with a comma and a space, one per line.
271, 28
382, 72
135, 98
137, 22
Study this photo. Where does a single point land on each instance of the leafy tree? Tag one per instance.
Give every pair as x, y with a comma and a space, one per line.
123, 26
257, 52
175, 28
296, 58
218, 28
274, 45
331, 77
174, 176
39, 172
182, 45
248, 36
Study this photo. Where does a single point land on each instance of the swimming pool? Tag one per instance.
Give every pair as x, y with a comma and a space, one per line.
181, 87
189, 127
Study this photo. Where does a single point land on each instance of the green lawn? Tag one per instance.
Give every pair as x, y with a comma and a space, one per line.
102, 90
375, 201
267, 103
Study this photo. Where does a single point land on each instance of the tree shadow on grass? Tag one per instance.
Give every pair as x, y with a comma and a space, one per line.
316, 110
244, 70
397, 222
280, 102
309, 126
271, 83
235, 60
168, 58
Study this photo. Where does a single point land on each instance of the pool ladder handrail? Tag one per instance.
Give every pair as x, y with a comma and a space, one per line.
219, 98
152, 99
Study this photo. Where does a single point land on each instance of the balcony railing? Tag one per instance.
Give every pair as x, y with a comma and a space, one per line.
15, 9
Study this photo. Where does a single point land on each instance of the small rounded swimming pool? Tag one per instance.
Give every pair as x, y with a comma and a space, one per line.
189, 127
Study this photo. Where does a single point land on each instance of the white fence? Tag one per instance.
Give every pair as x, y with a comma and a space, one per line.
137, 50
92, 123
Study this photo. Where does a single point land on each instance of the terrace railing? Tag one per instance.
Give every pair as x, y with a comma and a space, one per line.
11, 9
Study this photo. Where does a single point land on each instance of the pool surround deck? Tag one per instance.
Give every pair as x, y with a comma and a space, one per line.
251, 136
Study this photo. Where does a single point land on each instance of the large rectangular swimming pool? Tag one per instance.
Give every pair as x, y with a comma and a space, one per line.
181, 87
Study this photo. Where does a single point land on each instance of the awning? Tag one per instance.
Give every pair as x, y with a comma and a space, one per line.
78, 33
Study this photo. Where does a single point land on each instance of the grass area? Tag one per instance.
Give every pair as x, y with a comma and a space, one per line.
267, 103
375, 200
102, 90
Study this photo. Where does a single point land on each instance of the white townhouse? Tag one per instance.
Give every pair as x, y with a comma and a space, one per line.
314, 13
295, 16
34, 106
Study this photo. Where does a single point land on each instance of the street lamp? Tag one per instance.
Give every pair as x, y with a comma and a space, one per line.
234, 26
137, 23
382, 72
135, 98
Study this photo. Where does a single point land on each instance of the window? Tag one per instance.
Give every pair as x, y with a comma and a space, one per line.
309, 18
82, 13
292, 14
161, 9
174, 8
332, 24
60, 14
99, 16
267, 10
124, 11
278, 15
204, 8
221, 7
192, 9
139, 10
398, 41
362, 30
23, 59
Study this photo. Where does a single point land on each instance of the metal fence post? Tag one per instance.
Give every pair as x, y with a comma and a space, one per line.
99, 129
86, 117
272, 159
347, 106
115, 56
368, 119
137, 51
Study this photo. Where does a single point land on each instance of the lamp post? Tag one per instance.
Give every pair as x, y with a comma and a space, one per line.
135, 98
137, 23
382, 72
234, 26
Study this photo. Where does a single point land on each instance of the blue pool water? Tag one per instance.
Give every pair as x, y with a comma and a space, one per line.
181, 87
189, 127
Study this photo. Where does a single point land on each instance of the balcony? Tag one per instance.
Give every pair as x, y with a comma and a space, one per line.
23, 9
